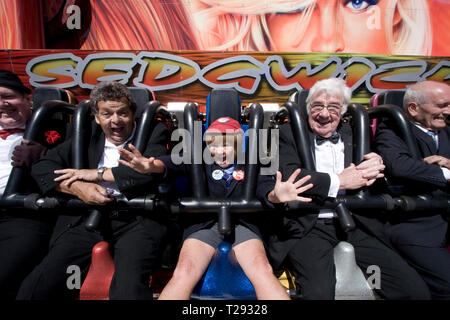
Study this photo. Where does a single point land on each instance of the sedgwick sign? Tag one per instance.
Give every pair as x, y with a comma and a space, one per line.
159, 71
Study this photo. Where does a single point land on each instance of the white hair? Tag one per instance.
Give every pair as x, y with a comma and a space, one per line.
413, 94
332, 86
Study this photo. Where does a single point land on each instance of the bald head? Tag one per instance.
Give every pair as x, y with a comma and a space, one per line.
427, 104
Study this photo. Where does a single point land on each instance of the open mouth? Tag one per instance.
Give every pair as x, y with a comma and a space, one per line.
8, 112
323, 123
116, 131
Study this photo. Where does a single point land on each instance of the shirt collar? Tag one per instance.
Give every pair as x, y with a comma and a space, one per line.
423, 129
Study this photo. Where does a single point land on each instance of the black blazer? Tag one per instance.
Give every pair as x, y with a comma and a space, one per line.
403, 168
294, 226
415, 177
217, 189
130, 182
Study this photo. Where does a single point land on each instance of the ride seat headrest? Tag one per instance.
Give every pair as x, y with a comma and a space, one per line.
392, 97
142, 96
299, 98
223, 103
42, 94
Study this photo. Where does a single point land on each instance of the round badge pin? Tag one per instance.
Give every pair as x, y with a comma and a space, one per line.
217, 174
238, 175
223, 120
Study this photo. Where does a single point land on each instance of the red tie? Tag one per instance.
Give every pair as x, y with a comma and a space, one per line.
7, 132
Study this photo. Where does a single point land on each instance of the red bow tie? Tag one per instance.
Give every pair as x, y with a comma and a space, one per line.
7, 132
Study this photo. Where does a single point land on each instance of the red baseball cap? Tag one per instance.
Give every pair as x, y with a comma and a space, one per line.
225, 125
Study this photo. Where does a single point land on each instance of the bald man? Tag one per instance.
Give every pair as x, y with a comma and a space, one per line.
421, 237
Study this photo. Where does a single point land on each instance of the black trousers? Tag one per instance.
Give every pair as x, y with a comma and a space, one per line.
425, 249
312, 263
136, 246
23, 243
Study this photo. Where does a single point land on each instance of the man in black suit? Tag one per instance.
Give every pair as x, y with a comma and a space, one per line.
24, 235
305, 243
421, 236
135, 237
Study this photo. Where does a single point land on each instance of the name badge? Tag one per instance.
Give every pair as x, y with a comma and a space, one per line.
217, 174
238, 175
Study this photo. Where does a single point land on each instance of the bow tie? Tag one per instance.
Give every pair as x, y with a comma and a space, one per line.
7, 132
334, 139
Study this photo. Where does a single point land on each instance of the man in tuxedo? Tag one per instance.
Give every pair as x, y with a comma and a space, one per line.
421, 236
134, 236
305, 242
24, 235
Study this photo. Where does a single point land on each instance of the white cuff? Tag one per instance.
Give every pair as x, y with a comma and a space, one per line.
334, 185
446, 173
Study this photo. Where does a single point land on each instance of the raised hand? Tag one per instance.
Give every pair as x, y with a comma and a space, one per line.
136, 161
290, 190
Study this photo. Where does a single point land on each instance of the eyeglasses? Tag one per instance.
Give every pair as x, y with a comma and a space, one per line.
332, 108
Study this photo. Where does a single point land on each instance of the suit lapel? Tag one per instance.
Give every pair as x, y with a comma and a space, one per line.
347, 138
312, 145
426, 143
444, 142
97, 146
234, 182
210, 168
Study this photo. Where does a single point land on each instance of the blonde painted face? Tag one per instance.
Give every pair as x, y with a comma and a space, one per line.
356, 26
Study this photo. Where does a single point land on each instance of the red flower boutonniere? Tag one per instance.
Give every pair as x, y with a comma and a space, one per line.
52, 136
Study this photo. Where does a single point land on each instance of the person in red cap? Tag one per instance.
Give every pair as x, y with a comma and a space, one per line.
201, 237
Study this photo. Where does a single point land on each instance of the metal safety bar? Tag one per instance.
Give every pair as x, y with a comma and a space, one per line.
151, 202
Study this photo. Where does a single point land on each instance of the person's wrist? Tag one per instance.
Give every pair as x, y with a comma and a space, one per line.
274, 197
100, 172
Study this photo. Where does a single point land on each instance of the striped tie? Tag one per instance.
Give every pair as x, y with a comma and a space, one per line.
228, 178
434, 136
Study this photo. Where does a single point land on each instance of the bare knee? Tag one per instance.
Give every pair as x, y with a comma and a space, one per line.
261, 266
186, 269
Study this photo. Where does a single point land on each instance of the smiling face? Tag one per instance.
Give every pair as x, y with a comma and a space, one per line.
325, 113
432, 114
116, 120
334, 26
222, 149
15, 108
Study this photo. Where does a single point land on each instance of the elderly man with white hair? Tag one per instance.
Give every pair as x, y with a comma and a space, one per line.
304, 243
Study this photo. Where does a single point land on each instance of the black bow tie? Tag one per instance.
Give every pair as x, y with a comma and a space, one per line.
334, 139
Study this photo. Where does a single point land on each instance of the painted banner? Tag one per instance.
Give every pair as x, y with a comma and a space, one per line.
391, 27
178, 76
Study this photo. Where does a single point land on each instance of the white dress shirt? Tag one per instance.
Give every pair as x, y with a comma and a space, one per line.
110, 159
330, 159
6, 149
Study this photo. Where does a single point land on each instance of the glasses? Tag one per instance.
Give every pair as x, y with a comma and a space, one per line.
332, 108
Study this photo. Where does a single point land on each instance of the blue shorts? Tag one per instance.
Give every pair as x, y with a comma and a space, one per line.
212, 236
